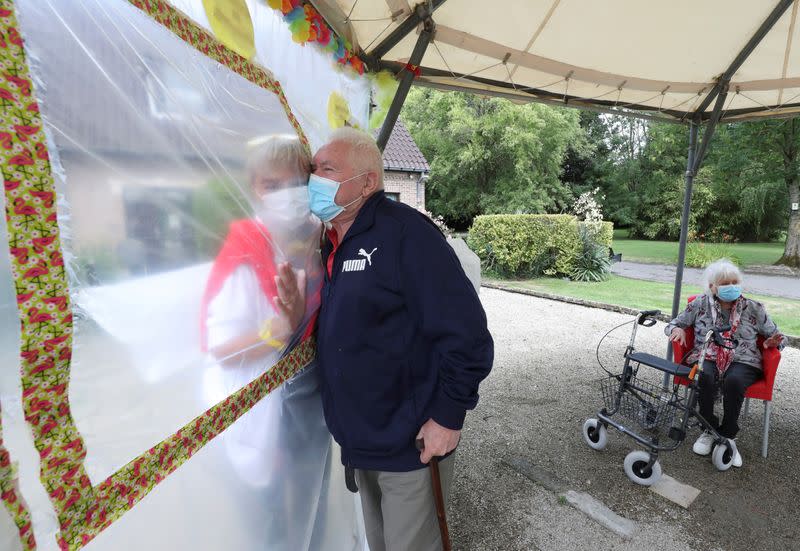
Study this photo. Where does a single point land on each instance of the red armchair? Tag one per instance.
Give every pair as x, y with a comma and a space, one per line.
760, 390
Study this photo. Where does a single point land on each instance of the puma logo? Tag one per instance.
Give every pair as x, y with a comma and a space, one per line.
368, 256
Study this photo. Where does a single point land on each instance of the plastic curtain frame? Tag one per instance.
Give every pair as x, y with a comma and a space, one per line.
154, 190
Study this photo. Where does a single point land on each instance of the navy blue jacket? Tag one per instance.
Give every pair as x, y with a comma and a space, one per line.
402, 337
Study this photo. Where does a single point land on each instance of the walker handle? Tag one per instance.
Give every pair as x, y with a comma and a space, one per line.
647, 317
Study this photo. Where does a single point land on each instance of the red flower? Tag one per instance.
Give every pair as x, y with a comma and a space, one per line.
41, 152
30, 357
24, 159
47, 428
23, 84
21, 254
15, 38
25, 131
47, 364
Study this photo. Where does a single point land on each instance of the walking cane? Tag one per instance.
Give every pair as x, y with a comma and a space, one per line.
438, 497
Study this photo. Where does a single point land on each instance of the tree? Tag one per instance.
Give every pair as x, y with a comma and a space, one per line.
490, 155
758, 167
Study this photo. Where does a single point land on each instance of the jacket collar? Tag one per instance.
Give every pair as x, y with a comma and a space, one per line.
366, 216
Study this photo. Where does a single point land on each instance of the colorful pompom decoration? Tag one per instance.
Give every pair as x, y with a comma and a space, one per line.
308, 26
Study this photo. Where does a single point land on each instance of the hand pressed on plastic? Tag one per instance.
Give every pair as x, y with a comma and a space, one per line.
291, 300
678, 335
774, 341
438, 440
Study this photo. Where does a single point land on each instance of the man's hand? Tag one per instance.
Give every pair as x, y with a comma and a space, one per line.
774, 341
678, 335
291, 299
438, 440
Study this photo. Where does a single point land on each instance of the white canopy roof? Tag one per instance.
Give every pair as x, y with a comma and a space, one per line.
661, 58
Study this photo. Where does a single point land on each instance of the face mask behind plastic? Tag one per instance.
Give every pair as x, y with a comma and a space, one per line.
286, 215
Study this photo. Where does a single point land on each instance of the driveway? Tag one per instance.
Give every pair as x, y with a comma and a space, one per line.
776, 286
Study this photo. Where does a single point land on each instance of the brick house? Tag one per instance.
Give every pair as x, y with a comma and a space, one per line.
405, 169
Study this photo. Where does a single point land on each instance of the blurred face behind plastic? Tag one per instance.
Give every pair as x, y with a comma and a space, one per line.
274, 178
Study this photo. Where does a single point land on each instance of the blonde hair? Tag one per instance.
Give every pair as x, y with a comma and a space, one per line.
267, 153
719, 270
364, 153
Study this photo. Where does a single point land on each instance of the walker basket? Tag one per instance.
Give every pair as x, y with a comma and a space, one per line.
648, 405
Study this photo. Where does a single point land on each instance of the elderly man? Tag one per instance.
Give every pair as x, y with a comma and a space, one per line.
402, 343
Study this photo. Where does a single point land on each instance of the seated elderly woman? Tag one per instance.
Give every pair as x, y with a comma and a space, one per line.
725, 370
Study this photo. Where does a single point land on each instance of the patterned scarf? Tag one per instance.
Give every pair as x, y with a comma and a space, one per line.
725, 355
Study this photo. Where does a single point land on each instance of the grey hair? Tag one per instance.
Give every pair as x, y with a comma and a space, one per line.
364, 153
719, 270
278, 151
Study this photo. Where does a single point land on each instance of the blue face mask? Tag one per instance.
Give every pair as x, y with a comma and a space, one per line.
322, 195
729, 293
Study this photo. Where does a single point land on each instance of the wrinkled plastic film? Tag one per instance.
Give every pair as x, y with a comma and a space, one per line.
181, 192
322, 96
9, 375
9, 536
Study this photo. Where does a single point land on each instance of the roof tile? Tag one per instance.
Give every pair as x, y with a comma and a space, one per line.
402, 153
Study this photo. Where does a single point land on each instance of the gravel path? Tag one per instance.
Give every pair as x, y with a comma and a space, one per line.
772, 285
542, 388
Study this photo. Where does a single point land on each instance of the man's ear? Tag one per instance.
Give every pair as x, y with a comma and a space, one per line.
371, 184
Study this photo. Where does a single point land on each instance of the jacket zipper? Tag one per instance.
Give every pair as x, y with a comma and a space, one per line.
328, 293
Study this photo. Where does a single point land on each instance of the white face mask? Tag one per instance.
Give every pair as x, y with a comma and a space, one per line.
284, 206
286, 215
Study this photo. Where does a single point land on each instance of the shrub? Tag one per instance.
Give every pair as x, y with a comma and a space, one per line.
593, 263
531, 245
604, 235
700, 255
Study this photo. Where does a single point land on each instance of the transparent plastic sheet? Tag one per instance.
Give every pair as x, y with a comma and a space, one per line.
311, 79
9, 375
176, 204
9, 538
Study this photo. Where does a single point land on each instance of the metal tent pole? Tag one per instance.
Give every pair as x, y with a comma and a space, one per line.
405, 83
693, 165
687, 206
719, 92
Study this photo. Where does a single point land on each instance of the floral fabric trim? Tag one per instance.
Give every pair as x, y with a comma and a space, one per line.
45, 312
308, 26
12, 499
191, 33
37, 268
122, 490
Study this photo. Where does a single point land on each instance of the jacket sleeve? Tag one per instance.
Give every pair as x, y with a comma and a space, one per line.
766, 327
686, 318
446, 308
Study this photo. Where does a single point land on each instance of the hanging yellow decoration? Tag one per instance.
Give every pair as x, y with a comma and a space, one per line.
339, 112
231, 23
384, 87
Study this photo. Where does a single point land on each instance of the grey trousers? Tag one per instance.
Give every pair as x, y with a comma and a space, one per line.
399, 509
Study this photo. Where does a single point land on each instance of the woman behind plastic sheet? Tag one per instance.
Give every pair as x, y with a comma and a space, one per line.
726, 372
261, 295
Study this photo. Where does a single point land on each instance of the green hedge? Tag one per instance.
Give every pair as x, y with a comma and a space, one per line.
606, 234
526, 245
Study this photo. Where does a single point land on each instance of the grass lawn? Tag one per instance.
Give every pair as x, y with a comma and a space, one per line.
666, 252
646, 295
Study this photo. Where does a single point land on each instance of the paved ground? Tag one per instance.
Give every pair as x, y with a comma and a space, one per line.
772, 285
533, 405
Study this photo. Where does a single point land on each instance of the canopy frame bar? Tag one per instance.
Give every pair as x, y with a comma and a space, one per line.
537, 95
755, 40
408, 72
421, 13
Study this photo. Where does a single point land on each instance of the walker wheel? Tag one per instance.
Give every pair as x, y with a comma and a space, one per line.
722, 456
595, 434
637, 470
